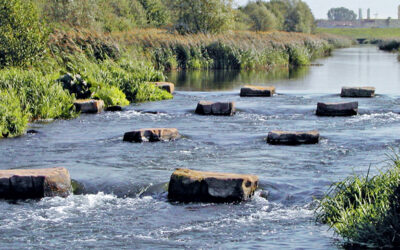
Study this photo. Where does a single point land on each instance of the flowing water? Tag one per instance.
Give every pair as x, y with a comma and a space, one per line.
125, 203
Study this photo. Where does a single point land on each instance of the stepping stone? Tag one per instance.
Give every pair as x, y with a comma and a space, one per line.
337, 109
215, 108
257, 91
195, 186
114, 108
34, 183
358, 92
89, 106
152, 135
292, 138
167, 86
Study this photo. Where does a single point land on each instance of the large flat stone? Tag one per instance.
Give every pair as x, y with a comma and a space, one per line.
215, 108
167, 86
257, 91
337, 109
34, 183
293, 138
152, 135
358, 92
195, 186
89, 106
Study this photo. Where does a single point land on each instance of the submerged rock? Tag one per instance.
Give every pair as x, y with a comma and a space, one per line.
195, 186
34, 183
113, 108
89, 106
358, 92
167, 86
337, 109
215, 108
293, 138
152, 135
257, 91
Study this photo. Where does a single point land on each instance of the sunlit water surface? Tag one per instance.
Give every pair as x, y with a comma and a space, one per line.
125, 204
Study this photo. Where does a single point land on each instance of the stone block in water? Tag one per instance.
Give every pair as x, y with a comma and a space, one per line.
337, 109
358, 92
167, 86
34, 183
292, 138
152, 135
196, 186
89, 106
215, 108
257, 91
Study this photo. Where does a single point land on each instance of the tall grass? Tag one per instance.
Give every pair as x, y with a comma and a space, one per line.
234, 50
365, 210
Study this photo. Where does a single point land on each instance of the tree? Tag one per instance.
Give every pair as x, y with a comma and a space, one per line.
203, 16
156, 12
22, 36
341, 14
260, 18
299, 18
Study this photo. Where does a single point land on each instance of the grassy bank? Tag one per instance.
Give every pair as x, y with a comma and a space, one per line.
231, 50
365, 210
368, 33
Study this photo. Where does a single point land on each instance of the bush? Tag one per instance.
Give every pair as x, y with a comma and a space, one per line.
365, 211
41, 96
112, 96
22, 37
13, 119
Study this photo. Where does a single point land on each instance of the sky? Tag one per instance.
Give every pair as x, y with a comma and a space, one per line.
383, 8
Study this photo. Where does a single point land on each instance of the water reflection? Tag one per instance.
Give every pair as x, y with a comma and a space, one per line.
231, 79
357, 66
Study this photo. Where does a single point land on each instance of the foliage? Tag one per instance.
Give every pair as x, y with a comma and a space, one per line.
111, 95
365, 211
341, 14
13, 119
260, 17
234, 50
299, 18
156, 13
22, 36
203, 16
40, 96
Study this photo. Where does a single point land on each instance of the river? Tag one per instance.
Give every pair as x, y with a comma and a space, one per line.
125, 203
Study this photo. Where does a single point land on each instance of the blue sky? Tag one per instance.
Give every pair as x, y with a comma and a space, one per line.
383, 8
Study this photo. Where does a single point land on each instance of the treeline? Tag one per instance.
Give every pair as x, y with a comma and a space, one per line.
184, 16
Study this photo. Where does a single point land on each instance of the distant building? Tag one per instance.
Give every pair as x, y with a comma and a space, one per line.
369, 14
398, 12
360, 16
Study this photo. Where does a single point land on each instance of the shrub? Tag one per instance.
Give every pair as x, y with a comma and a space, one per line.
365, 211
13, 119
22, 36
112, 96
40, 95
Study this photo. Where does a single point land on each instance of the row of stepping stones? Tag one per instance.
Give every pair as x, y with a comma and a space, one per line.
185, 185
274, 137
